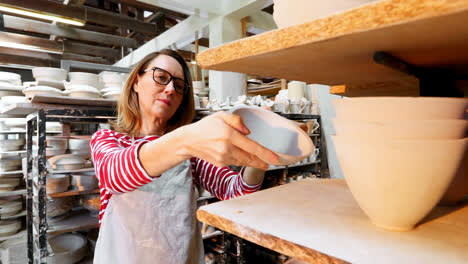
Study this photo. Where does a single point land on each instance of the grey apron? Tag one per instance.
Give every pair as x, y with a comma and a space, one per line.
153, 224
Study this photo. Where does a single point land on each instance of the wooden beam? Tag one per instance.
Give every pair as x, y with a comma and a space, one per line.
20, 60
82, 13
67, 32
85, 58
74, 47
44, 44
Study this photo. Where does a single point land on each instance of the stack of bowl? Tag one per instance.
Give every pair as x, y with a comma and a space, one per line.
49, 77
55, 145
79, 145
400, 154
83, 85
10, 79
112, 83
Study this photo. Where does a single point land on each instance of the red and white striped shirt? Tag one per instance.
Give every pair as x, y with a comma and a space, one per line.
118, 169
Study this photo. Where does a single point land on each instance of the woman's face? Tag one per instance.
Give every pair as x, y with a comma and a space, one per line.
159, 101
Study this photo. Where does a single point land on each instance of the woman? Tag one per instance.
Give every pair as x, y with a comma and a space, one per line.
149, 167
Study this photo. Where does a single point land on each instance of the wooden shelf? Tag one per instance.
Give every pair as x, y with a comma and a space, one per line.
7, 173
14, 192
24, 109
318, 221
77, 221
339, 49
13, 152
72, 193
70, 171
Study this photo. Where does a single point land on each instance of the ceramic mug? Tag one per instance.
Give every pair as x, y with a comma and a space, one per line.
282, 108
313, 157
295, 108
312, 126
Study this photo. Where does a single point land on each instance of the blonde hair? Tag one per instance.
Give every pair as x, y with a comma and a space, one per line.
128, 109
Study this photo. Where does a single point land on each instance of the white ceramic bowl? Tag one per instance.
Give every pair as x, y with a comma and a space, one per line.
8, 184
276, 133
405, 129
66, 162
397, 182
13, 99
57, 183
400, 108
10, 164
11, 144
115, 95
9, 227
79, 143
68, 248
49, 73
83, 91
10, 93
293, 12
111, 89
41, 91
85, 78
10, 77
59, 206
10, 205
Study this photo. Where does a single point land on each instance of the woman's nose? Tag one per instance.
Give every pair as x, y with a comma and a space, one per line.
169, 89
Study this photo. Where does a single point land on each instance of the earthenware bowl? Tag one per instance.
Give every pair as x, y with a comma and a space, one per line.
85, 78
59, 206
9, 227
276, 133
68, 248
57, 183
66, 162
10, 205
41, 91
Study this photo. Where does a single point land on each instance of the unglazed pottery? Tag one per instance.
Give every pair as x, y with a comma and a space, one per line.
397, 182
59, 206
296, 90
66, 162
11, 78
49, 73
10, 205
85, 78
276, 133
67, 248
115, 95
293, 12
82, 91
409, 129
41, 91
57, 183
84, 182
11, 144
9, 227
400, 108
10, 164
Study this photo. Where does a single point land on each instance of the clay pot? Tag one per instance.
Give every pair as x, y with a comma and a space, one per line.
8, 184
59, 206
404, 129
84, 182
383, 109
10, 164
66, 162
276, 133
10, 205
67, 248
57, 183
9, 227
293, 12
397, 182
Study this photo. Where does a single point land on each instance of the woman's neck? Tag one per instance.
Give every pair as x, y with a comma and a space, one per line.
152, 127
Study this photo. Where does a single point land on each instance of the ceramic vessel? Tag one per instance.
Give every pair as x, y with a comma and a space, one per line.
85, 78
54, 142
293, 12
397, 182
400, 108
10, 93
276, 133
405, 129
115, 95
84, 182
8, 184
458, 189
9, 227
59, 84
59, 206
296, 90
11, 144
79, 143
41, 91
10, 205
13, 99
57, 183
49, 73
82, 91
111, 89
66, 162
68, 248
9, 77
10, 164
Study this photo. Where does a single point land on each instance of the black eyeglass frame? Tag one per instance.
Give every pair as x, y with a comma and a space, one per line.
170, 79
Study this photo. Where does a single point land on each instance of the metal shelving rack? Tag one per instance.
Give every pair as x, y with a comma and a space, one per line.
37, 227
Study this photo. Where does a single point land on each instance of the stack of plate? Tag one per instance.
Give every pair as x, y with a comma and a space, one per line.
51, 77
9, 227
57, 183
55, 145
9, 78
199, 89
84, 78
11, 163
82, 91
112, 83
399, 155
10, 205
59, 206
32, 91
11, 144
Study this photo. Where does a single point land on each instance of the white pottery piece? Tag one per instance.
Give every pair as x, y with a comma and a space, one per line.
9, 227
50, 83
294, 12
11, 144
49, 73
66, 162
10, 93
10, 77
41, 91
204, 101
196, 101
83, 91
13, 99
85, 78
115, 95
68, 249
276, 133
59, 206
79, 143
8, 184
296, 90
111, 89
57, 183
109, 79
400, 108
405, 129
10, 205
54, 142
397, 182
83, 182
10, 164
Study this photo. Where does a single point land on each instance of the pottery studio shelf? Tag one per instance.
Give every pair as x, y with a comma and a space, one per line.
13, 152
8, 173
73, 193
300, 220
24, 109
76, 221
14, 192
20, 214
339, 49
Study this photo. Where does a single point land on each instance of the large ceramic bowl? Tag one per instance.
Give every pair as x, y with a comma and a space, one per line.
68, 248
409, 129
66, 162
400, 108
10, 205
82, 91
85, 78
57, 183
41, 91
9, 227
59, 206
397, 182
293, 12
276, 133
49, 73
11, 144
84, 182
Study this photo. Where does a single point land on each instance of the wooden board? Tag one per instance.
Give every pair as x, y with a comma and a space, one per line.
73, 193
24, 109
66, 100
339, 49
14, 192
77, 221
318, 221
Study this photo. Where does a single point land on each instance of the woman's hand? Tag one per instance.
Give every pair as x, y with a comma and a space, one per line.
221, 140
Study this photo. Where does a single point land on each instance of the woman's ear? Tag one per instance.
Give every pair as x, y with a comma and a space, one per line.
135, 84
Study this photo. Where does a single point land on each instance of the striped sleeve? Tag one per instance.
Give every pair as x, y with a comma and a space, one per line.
223, 183
118, 168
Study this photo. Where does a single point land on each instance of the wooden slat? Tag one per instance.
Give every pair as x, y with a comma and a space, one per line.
67, 32
20, 60
79, 48
318, 221
82, 13
44, 44
66, 100
339, 49
25, 55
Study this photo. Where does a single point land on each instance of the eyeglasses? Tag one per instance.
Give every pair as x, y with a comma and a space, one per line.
163, 77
